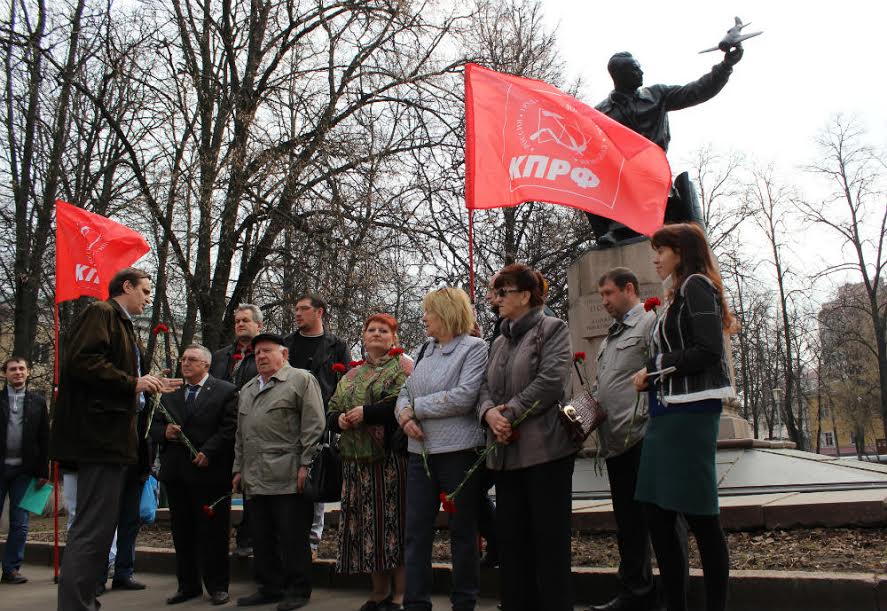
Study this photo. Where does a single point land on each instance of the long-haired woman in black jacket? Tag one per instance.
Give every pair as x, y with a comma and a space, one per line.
687, 378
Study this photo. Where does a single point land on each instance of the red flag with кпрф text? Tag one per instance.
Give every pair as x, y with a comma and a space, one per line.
89, 250
528, 141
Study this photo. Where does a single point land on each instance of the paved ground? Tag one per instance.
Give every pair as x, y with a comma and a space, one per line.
39, 594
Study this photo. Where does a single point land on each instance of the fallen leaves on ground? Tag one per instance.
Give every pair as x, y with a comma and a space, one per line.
809, 549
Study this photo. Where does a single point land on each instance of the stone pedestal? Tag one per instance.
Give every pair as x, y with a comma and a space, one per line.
589, 321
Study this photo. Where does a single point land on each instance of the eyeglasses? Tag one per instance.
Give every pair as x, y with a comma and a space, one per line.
503, 293
191, 359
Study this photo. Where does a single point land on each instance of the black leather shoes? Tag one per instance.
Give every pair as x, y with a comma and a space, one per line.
127, 583
180, 597
291, 602
620, 604
219, 598
13, 577
258, 598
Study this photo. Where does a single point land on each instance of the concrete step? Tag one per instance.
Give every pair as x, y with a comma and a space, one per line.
749, 590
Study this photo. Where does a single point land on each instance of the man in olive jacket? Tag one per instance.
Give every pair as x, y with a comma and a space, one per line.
94, 427
280, 420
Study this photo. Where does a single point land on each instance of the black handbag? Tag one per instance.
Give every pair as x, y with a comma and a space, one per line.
582, 416
324, 483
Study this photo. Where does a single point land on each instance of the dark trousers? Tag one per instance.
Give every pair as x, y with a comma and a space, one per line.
486, 512
86, 553
201, 541
670, 545
13, 484
128, 525
281, 554
243, 537
533, 513
423, 503
632, 536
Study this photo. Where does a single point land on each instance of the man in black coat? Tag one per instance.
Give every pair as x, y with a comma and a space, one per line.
312, 347
24, 454
204, 414
236, 363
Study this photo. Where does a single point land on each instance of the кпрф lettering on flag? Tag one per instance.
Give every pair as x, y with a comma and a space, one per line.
528, 141
89, 250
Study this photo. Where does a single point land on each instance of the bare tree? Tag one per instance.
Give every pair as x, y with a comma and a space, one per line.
718, 178
37, 125
769, 199
857, 213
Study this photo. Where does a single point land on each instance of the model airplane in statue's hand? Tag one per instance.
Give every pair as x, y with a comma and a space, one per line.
733, 38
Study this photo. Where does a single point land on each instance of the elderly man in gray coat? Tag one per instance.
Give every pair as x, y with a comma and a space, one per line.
280, 420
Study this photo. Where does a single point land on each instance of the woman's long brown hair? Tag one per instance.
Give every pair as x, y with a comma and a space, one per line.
688, 241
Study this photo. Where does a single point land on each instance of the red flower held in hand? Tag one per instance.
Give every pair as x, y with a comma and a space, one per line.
651, 304
578, 357
449, 506
339, 368
237, 356
210, 510
160, 328
395, 351
354, 364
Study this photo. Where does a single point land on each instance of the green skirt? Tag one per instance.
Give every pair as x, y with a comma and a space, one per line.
677, 470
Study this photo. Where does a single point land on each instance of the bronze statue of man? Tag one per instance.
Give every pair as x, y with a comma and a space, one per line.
645, 110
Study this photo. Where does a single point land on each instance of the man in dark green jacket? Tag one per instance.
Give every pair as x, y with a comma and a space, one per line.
94, 427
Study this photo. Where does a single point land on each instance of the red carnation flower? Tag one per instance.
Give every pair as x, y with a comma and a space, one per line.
354, 364
339, 368
160, 328
209, 511
395, 351
237, 356
578, 357
449, 506
651, 304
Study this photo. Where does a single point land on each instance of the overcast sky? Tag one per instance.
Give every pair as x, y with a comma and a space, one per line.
814, 59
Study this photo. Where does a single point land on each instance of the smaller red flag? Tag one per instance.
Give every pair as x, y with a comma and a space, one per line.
528, 141
89, 250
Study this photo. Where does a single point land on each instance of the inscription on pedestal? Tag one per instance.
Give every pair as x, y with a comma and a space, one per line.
593, 320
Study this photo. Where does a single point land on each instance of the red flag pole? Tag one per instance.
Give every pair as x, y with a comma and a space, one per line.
471, 253
55, 465
55, 545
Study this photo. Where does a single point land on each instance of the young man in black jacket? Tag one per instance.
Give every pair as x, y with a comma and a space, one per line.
24, 452
313, 348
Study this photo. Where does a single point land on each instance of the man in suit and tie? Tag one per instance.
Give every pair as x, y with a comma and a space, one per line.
205, 413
